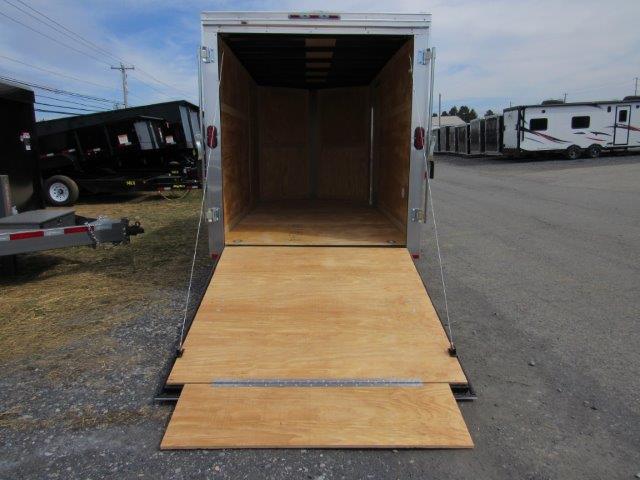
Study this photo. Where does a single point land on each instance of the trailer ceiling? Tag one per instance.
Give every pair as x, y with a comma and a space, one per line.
313, 61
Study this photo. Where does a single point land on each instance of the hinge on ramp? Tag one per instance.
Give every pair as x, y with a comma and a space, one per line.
417, 215
319, 382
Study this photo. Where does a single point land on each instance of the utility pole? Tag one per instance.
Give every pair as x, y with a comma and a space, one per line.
123, 69
565, 98
440, 108
636, 94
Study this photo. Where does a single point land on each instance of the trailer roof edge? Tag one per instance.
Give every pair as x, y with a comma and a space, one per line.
571, 104
243, 19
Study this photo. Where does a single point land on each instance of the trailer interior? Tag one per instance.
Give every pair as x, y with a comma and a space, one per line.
315, 139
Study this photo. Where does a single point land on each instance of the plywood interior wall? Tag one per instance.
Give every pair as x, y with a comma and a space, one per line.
238, 139
342, 170
284, 143
392, 91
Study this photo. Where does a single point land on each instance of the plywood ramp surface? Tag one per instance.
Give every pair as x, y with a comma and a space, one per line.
315, 223
353, 417
316, 313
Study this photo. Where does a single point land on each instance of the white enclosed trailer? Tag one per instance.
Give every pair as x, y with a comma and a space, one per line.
573, 128
315, 329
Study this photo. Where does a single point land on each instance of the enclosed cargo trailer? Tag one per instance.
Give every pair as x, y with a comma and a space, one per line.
493, 128
476, 136
317, 133
146, 148
462, 139
443, 135
453, 140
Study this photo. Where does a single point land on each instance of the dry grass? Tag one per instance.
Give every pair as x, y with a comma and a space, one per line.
70, 295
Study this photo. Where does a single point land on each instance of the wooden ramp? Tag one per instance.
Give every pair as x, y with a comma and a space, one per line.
316, 347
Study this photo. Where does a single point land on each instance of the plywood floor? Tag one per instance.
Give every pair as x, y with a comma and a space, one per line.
316, 313
316, 347
315, 223
373, 417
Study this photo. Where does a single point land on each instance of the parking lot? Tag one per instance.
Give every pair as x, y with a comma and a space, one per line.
541, 264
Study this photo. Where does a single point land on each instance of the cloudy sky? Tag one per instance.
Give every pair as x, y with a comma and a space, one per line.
490, 53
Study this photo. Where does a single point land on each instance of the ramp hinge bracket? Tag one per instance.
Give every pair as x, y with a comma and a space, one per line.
424, 56
417, 215
206, 55
213, 215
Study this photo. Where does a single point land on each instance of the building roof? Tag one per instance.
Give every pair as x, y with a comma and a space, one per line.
448, 121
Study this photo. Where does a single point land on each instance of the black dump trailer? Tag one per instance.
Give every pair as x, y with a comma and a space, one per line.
18, 158
24, 225
146, 148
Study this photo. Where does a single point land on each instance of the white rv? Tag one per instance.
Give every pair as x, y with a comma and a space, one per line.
573, 128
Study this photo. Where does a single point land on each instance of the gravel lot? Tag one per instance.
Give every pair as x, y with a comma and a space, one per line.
543, 280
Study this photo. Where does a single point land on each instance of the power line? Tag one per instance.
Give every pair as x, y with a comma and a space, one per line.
69, 108
54, 39
98, 107
59, 90
57, 73
55, 111
88, 43
80, 37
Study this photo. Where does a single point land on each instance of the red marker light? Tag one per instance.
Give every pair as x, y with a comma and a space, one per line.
418, 138
212, 136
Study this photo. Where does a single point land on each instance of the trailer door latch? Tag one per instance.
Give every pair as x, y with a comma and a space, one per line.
213, 215
417, 215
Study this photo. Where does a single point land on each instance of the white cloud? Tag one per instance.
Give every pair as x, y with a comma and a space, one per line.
489, 52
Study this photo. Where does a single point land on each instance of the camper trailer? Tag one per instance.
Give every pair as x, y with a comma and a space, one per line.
476, 136
574, 129
493, 129
462, 139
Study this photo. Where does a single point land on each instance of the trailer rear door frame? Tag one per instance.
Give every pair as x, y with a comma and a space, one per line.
213, 24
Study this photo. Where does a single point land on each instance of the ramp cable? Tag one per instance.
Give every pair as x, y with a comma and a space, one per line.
204, 196
429, 148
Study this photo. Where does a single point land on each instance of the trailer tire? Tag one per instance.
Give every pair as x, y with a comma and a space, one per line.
594, 151
573, 152
61, 191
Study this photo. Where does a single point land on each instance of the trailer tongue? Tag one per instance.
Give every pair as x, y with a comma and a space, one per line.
316, 329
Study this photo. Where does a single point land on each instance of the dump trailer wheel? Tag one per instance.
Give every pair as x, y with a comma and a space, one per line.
573, 152
594, 151
61, 191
